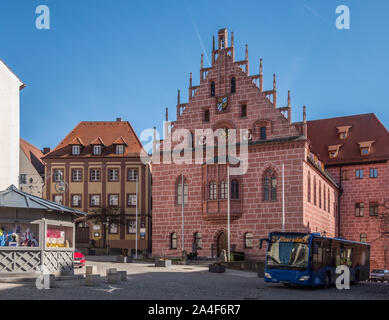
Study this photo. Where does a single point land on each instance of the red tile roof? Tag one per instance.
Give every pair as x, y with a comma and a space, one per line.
89, 132
33, 154
364, 127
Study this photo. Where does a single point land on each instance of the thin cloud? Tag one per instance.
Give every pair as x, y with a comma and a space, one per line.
317, 14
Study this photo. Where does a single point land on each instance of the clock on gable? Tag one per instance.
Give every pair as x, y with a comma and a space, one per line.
221, 103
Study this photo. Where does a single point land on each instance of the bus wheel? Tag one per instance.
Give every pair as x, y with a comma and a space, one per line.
326, 281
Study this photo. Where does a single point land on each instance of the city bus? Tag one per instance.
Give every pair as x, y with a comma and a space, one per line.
311, 259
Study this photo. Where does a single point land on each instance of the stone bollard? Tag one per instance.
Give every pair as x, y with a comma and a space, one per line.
112, 276
92, 280
122, 275
90, 270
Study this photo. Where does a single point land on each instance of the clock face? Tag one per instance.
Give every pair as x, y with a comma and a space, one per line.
221, 103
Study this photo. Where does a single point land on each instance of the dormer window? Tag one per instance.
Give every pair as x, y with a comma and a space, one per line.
76, 150
97, 150
119, 149
343, 131
365, 147
333, 151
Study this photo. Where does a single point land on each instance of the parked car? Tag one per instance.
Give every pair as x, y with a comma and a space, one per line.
379, 275
79, 259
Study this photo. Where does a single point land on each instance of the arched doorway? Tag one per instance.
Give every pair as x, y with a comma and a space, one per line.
222, 243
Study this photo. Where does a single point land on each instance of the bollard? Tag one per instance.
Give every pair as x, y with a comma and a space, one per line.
92, 280
112, 276
111, 270
122, 275
90, 270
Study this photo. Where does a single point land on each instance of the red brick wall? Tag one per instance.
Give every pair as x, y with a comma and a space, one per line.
364, 190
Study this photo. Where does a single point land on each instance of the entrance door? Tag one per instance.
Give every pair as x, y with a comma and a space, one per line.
222, 243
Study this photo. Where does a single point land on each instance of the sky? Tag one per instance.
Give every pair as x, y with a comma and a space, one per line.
105, 59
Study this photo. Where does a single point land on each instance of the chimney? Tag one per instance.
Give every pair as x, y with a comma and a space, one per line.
118, 119
46, 150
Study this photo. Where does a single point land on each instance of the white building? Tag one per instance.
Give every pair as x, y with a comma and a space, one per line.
10, 85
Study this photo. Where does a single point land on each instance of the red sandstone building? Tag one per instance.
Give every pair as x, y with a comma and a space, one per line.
314, 154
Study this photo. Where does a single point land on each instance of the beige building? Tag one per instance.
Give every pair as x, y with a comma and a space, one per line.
31, 169
95, 169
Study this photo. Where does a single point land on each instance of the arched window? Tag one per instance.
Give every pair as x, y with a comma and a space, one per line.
324, 198
212, 190
328, 202
234, 189
314, 191
198, 240
309, 187
248, 240
269, 185
262, 133
319, 194
363, 237
233, 85
212, 89
223, 190
179, 191
173, 240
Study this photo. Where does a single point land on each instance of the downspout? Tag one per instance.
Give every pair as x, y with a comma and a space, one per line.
339, 195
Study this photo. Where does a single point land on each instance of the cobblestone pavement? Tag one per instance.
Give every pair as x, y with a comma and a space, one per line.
184, 282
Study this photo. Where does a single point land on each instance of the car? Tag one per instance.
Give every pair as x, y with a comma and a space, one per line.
79, 259
379, 275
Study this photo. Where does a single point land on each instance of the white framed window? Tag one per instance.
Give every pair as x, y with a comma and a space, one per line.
97, 150
58, 198
57, 175
179, 193
95, 175
95, 200
113, 200
132, 174
76, 200
113, 228
113, 174
76, 150
76, 175
131, 226
119, 149
131, 200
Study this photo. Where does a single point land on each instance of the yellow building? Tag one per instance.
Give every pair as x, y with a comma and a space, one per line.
97, 169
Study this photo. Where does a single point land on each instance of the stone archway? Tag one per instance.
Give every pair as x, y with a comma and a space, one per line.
221, 242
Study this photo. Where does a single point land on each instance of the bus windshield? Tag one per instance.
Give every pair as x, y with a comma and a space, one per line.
288, 254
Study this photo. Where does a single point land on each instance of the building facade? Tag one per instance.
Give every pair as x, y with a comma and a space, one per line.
228, 98
97, 169
10, 86
32, 169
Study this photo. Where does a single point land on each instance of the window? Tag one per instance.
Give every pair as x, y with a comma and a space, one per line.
113, 228
359, 208
57, 175
206, 116
113, 175
359, 174
131, 226
76, 150
248, 240
173, 240
269, 185
198, 240
344, 175
179, 192
373, 208
94, 200
95, 175
233, 85
212, 191
58, 198
363, 238
243, 110
132, 174
262, 131
59, 236
23, 178
131, 200
333, 154
234, 189
113, 200
314, 191
364, 151
97, 150
324, 198
223, 190
76, 175
373, 172
309, 187
319, 194
212, 89
76, 200
328, 202
342, 135
119, 149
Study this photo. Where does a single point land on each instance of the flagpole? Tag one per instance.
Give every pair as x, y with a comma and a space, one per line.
228, 212
182, 212
136, 221
283, 198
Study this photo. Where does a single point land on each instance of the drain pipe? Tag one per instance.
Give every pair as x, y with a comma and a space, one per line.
339, 195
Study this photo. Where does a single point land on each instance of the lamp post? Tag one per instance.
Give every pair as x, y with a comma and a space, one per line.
136, 221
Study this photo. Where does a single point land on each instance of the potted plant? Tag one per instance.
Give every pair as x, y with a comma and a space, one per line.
217, 267
163, 262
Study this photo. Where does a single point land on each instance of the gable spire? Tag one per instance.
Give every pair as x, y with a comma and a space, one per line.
274, 91
260, 75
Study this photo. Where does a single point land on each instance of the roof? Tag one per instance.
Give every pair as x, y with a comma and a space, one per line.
22, 85
89, 132
364, 127
33, 154
12, 197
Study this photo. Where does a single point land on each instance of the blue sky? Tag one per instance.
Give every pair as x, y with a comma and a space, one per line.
105, 59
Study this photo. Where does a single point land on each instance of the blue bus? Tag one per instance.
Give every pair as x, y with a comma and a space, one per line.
310, 259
